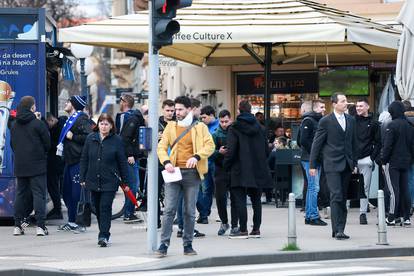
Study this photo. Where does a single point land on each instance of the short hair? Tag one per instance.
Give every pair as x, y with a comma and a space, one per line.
195, 103
184, 100
167, 102
407, 105
225, 113
334, 97
129, 99
363, 99
258, 113
208, 110
103, 117
26, 103
279, 126
306, 106
245, 106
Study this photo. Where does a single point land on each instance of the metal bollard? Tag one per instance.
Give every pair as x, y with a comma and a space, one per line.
382, 227
292, 220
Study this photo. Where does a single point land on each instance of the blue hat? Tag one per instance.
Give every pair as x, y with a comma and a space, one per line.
78, 102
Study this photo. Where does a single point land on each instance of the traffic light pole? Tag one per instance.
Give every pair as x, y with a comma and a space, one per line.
152, 164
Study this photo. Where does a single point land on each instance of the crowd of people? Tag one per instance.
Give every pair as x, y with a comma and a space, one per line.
217, 157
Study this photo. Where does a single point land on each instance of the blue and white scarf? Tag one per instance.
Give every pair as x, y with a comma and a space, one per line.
66, 127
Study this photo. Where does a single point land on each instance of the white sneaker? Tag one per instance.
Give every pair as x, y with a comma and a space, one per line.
18, 231
407, 222
42, 231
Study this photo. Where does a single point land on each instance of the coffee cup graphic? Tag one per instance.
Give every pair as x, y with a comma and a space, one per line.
6, 101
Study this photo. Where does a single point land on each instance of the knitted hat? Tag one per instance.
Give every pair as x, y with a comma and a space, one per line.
78, 102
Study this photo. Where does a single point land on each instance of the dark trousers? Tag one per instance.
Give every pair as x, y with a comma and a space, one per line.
53, 187
222, 181
400, 194
255, 194
338, 187
27, 187
323, 195
103, 208
71, 190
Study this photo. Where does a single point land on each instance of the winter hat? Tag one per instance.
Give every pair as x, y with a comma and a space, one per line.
78, 102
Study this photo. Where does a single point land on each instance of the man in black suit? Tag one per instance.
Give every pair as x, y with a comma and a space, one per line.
335, 142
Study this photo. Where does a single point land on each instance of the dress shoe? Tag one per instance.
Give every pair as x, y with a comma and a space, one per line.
333, 234
341, 236
363, 219
307, 221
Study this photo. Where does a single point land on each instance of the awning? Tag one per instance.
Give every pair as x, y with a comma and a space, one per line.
212, 32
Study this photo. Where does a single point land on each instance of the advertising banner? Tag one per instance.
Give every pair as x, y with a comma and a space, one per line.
19, 76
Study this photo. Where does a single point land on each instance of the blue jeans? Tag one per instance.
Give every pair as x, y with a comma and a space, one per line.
411, 183
206, 192
134, 183
311, 207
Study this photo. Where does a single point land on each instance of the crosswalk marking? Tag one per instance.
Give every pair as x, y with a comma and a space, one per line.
285, 269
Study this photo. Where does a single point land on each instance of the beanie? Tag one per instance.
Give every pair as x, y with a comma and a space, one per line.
78, 102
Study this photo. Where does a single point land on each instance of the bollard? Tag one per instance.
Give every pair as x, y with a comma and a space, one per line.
382, 227
292, 220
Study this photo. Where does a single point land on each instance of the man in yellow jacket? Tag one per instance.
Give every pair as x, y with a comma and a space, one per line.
187, 145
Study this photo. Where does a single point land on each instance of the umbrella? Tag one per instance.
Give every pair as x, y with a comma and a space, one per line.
217, 32
129, 194
405, 58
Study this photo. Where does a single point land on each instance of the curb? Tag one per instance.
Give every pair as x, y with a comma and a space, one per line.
283, 257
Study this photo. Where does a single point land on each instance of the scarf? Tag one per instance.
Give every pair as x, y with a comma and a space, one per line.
66, 127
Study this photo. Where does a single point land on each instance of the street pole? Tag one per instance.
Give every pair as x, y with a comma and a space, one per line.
152, 164
84, 91
292, 220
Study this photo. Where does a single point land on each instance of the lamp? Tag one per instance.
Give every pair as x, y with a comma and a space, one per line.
293, 59
81, 52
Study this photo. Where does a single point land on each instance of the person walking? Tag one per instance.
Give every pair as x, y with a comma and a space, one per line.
246, 158
30, 142
369, 147
71, 141
103, 161
335, 141
307, 130
129, 134
398, 153
190, 144
222, 177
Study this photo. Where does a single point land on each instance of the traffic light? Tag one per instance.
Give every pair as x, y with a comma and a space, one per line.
163, 25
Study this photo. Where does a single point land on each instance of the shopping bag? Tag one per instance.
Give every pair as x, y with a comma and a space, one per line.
356, 188
84, 209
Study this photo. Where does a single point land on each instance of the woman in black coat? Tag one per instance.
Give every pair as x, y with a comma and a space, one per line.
103, 160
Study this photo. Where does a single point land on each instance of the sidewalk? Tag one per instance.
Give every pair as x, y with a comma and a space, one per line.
79, 253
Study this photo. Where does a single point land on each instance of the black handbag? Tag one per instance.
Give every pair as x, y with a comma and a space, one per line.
84, 209
356, 188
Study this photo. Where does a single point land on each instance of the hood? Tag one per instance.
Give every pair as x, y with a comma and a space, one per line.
312, 114
396, 109
246, 123
25, 116
220, 130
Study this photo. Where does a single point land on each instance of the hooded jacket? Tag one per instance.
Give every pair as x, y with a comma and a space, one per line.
307, 131
129, 133
247, 154
398, 148
368, 137
30, 142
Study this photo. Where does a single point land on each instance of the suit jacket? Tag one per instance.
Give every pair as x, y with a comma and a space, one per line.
336, 146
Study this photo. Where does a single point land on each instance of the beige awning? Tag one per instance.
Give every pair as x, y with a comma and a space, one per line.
212, 33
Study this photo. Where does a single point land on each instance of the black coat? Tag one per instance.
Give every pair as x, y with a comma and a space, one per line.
338, 147
30, 142
129, 134
368, 137
247, 154
72, 149
398, 147
102, 162
307, 131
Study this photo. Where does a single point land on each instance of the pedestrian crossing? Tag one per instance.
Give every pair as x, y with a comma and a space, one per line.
282, 269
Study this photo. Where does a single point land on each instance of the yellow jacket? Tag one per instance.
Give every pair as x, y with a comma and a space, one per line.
203, 145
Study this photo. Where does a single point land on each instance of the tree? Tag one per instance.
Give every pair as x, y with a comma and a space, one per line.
62, 11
